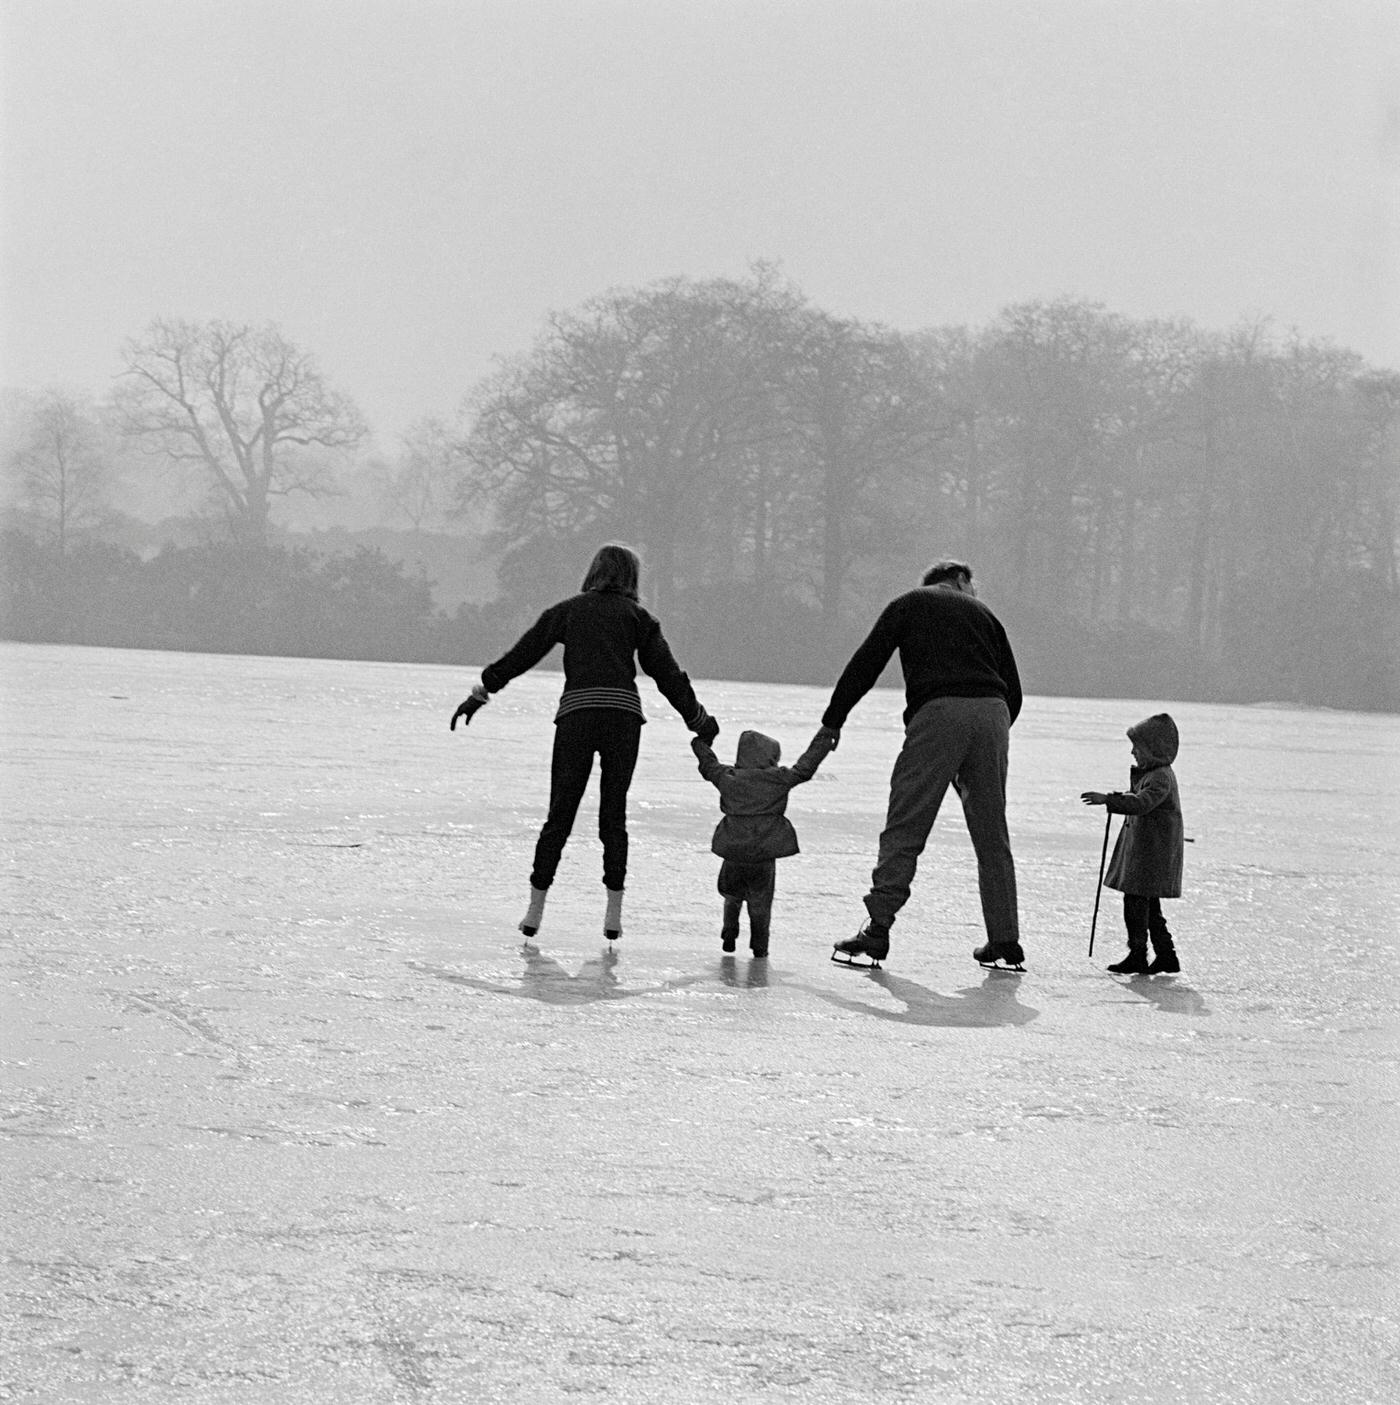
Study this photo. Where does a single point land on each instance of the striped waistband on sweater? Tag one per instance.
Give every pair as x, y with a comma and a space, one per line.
576, 699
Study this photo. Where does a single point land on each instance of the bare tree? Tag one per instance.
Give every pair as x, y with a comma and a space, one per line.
419, 484
1190, 501
61, 467
622, 419
1379, 406
865, 413
244, 405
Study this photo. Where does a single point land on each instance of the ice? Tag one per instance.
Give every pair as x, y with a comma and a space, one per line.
289, 1112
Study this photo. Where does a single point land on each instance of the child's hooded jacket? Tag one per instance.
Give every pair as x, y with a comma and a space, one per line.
753, 796
1148, 857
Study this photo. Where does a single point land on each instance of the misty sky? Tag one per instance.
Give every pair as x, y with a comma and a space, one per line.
407, 188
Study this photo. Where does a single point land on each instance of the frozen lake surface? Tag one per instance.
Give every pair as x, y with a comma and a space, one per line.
288, 1113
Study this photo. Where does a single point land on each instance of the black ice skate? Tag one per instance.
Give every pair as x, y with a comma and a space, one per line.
995, 953
871, 941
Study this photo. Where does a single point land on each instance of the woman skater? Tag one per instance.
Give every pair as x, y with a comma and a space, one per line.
605, 633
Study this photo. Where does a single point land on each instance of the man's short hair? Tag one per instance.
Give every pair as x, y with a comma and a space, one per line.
947, 571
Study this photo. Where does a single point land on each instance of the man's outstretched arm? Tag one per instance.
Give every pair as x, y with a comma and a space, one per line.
864, 669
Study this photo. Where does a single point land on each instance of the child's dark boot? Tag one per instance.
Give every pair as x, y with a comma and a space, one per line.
758, 935
1164, 962
1135, 919
729, 930
1135, 962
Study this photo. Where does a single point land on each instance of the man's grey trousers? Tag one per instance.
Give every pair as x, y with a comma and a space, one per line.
962, 740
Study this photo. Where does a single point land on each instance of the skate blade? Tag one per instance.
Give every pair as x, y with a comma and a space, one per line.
1016, 969
842, 960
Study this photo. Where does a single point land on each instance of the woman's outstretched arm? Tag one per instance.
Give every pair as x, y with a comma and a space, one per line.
526, 652
655, 656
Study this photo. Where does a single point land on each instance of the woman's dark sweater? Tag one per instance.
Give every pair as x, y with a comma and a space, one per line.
605, 635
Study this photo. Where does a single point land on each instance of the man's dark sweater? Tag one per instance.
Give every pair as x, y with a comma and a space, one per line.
950, 645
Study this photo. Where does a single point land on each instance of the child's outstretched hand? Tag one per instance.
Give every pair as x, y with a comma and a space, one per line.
1094, 797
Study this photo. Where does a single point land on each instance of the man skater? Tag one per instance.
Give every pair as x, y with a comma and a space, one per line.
963, 693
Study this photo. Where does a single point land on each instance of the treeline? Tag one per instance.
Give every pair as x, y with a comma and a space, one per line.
290, 600
1160, 510
219, 597
1155, 509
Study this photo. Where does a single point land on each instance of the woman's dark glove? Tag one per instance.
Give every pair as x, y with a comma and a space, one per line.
707, 730
479, 698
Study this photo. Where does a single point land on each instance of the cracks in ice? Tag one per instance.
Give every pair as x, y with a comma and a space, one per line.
289, 1136
191, 1021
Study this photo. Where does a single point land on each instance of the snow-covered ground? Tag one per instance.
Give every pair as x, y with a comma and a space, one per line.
288, 1113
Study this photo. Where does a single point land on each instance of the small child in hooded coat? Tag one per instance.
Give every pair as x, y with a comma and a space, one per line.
755, 830
1148, 857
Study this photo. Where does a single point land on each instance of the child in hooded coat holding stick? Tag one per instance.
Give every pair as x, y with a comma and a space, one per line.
1148, 857
755, 831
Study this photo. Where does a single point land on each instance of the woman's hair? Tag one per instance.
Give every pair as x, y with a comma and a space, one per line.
615, 567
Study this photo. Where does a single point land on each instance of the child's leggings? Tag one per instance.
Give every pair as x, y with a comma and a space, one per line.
1143, 918
751, 883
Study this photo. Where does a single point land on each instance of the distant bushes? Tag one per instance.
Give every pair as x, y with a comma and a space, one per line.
218, 598
1063, 656
1335, 648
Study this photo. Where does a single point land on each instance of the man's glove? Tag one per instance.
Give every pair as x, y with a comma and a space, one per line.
708, 730
479, 698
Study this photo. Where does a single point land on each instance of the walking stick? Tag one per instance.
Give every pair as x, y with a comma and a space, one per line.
1098, 892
